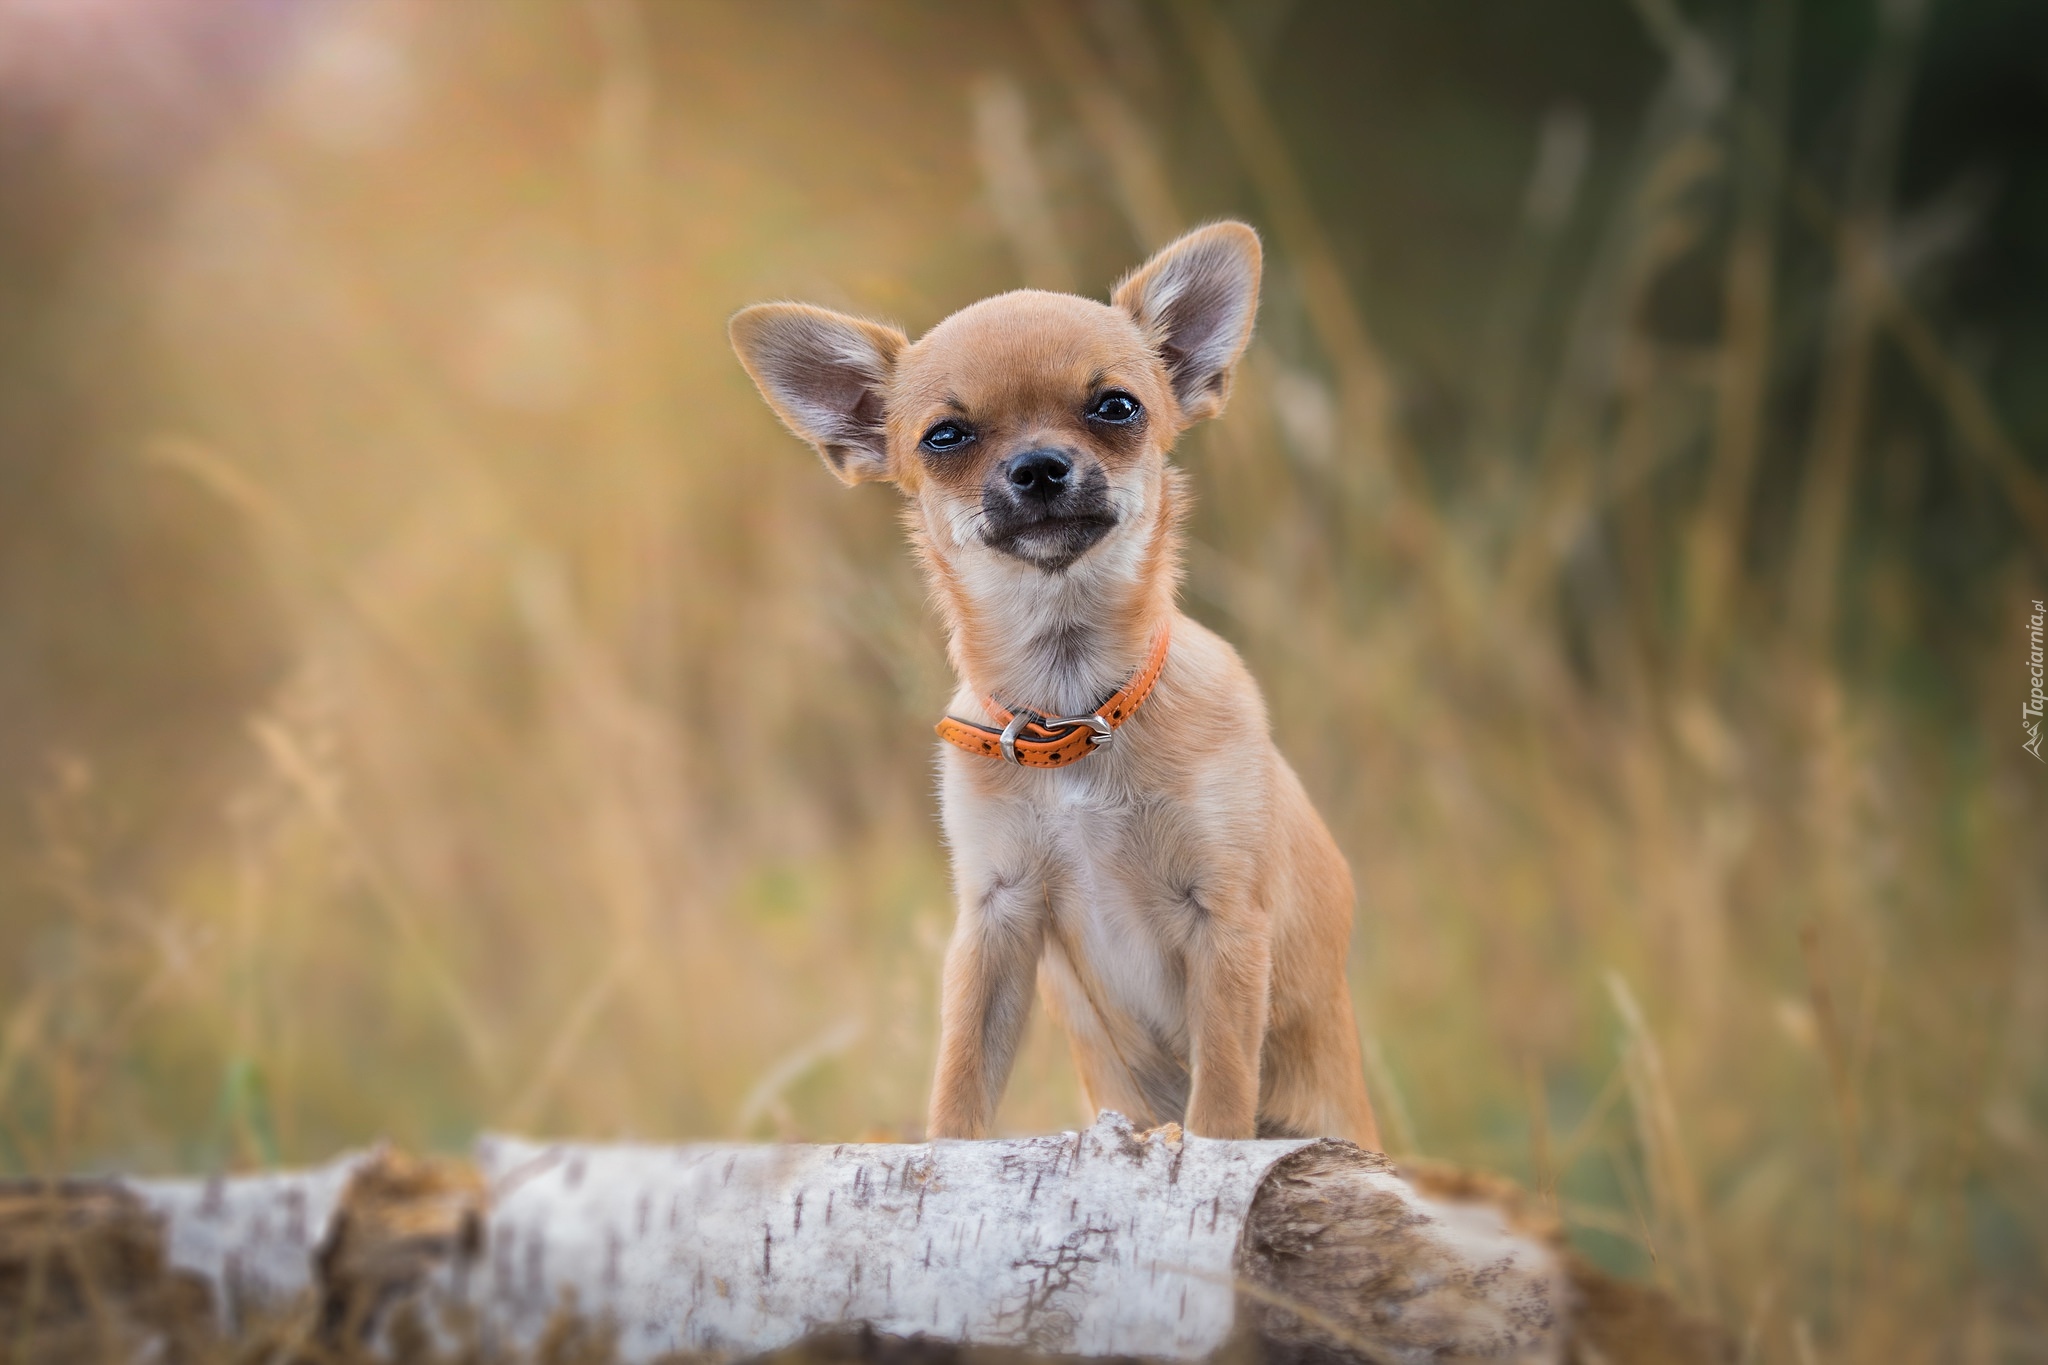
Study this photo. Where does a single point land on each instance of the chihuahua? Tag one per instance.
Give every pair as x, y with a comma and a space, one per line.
1121, 825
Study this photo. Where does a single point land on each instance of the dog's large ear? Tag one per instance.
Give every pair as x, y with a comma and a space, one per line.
823, 373
1197, 298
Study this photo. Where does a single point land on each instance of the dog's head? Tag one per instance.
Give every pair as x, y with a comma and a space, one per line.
1031, 428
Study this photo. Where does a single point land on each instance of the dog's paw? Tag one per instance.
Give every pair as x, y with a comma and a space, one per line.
1168, 1133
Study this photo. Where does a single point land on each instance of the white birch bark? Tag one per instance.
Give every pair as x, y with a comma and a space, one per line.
1091, 1243
1103, 1242
252, 1239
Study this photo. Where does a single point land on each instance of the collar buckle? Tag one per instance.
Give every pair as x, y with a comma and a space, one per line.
1021, 717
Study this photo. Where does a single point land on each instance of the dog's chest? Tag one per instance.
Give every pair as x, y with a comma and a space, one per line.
1094, 859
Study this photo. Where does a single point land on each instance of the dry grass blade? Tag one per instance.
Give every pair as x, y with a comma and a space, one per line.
1016, 188
1610, 359
568, 1037
316, 788
1854, 315
1143, 189
1720, 529
767, 1092
1674, 1187
1368, 389
1961, 396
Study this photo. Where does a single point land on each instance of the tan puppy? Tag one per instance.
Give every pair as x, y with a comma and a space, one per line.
1150, 857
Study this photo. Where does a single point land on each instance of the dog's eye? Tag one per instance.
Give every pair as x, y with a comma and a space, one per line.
1117, 409
946, 436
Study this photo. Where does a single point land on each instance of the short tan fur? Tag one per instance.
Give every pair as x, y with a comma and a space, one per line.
1182, 907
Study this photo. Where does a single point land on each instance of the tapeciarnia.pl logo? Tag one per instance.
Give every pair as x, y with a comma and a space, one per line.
2037, 702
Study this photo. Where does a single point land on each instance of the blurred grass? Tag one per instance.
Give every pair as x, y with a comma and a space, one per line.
552, 749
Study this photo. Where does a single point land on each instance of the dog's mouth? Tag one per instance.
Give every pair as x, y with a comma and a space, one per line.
1052, 542
1050, 532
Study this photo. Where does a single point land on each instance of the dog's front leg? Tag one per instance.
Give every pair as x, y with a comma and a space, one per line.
1228, 963
991, 965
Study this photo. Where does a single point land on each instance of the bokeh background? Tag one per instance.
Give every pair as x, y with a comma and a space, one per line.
435, 695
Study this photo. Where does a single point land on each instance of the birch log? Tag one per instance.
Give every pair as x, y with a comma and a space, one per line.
1106, 1242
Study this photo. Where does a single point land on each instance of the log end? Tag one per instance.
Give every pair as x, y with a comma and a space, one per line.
1342, 1259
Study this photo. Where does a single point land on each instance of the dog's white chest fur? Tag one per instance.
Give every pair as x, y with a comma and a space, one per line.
1061, 841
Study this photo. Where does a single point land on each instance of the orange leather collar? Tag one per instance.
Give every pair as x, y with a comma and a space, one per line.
1038, 741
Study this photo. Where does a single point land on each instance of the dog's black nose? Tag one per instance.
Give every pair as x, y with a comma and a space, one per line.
1040, 473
